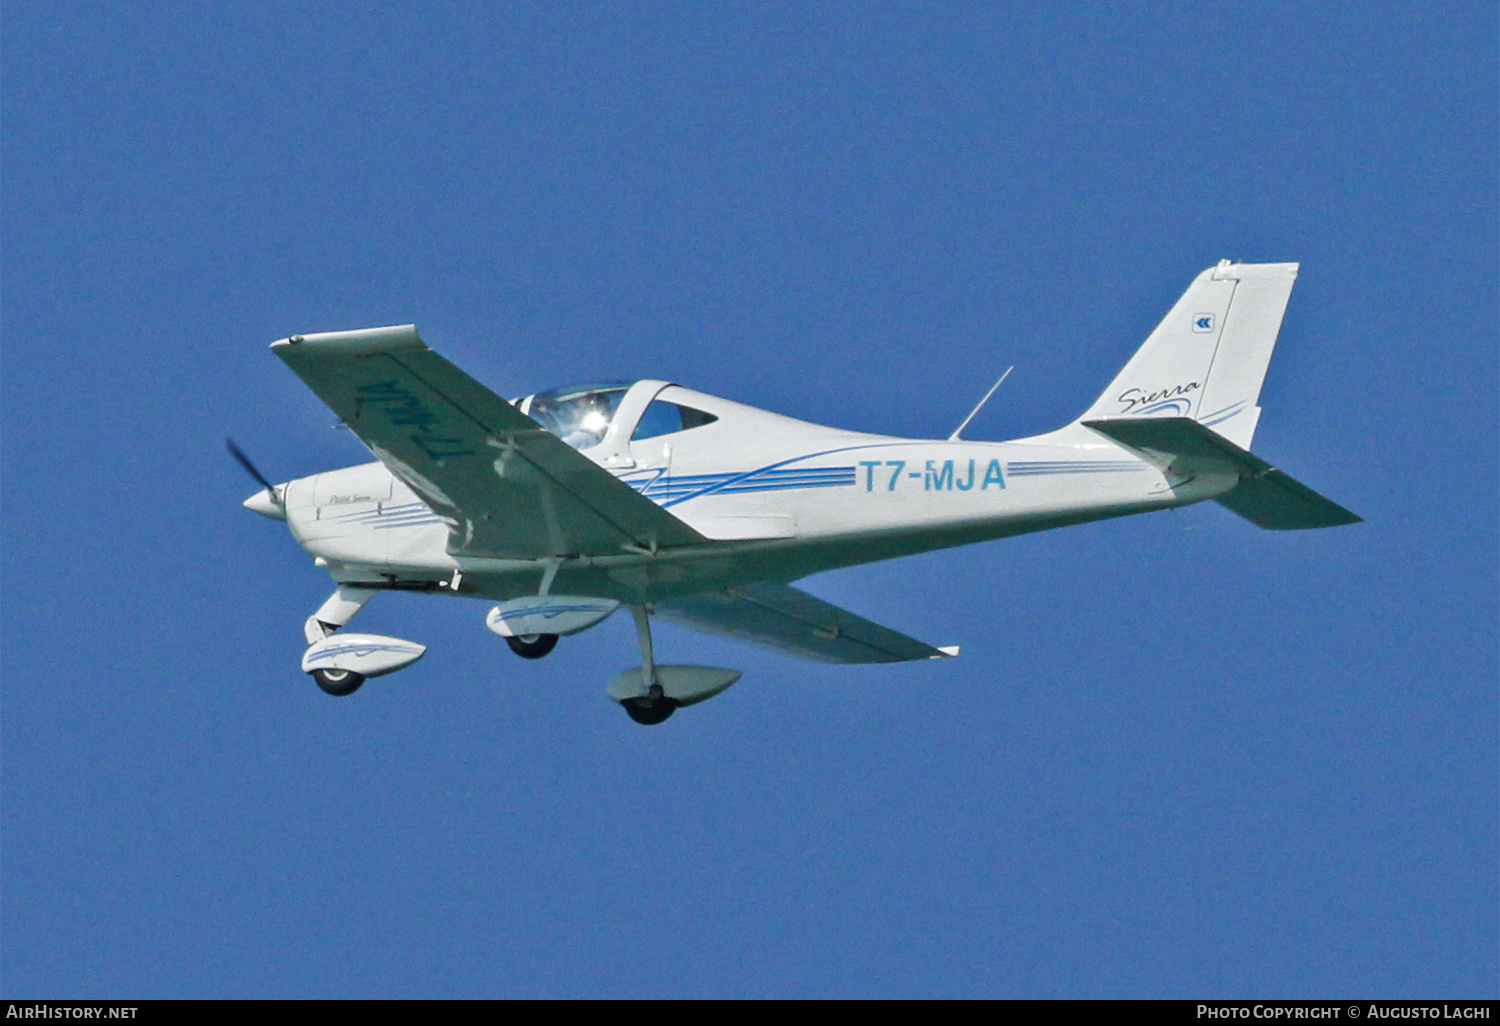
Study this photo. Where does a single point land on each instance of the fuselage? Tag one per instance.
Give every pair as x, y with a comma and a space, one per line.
785, 498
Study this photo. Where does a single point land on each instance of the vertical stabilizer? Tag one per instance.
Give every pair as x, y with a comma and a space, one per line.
1208, 357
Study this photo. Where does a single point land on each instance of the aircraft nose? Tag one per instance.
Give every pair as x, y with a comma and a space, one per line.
266, 505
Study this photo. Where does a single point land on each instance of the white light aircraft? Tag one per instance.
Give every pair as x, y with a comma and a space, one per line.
561, 507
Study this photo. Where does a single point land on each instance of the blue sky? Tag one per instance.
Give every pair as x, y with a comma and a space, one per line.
1179, 756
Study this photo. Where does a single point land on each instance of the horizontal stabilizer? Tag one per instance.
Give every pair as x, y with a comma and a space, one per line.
1282, 503
1265, 496
782, 617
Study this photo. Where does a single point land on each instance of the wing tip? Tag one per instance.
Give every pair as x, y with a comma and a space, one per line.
360, 342
946, 652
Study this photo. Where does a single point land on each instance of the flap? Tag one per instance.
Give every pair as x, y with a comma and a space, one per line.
782, 617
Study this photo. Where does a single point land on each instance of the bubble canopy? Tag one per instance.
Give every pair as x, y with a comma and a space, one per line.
578, 414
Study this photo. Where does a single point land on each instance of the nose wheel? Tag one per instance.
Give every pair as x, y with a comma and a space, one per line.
532, 646
338, 682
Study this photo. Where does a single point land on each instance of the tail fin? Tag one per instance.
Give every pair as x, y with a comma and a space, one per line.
1208, 357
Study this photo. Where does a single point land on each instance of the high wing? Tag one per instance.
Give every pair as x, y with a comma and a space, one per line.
506, 487
782, 617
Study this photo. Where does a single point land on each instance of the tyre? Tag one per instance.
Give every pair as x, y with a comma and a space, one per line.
532, 646
338, 682
650, 711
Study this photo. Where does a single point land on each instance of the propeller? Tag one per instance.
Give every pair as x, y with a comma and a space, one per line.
254, 471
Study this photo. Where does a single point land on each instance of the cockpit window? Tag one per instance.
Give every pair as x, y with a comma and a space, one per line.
579, 415
663, 418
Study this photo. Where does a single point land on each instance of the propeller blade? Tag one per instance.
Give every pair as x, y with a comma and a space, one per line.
251, 469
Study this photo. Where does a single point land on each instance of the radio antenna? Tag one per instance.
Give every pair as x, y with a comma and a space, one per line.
956, 431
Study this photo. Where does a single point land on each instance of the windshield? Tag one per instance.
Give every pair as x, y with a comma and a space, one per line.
580, 414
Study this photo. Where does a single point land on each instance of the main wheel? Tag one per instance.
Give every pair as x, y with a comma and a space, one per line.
650, 711
338, 682
532, 646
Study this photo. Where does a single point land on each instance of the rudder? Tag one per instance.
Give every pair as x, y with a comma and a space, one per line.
1208, 357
